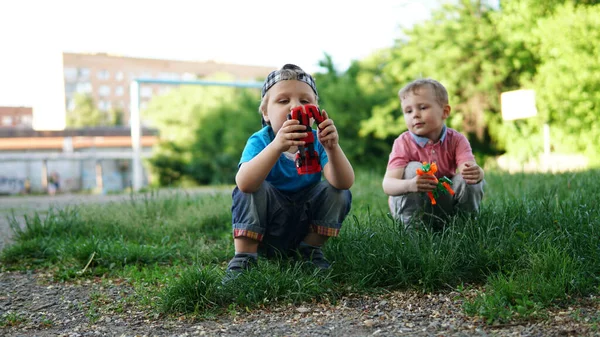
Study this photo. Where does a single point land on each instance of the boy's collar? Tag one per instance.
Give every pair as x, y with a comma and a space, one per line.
422, 141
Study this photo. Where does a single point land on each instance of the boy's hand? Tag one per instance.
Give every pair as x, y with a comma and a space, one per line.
424, 183
289, 135
328, 135
472, 173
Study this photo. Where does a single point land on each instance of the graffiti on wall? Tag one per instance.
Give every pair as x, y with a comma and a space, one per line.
10, 185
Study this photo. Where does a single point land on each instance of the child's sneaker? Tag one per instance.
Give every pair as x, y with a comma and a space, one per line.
314, 255
239, 264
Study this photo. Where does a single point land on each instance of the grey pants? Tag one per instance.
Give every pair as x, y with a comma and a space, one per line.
280, 220
410, 206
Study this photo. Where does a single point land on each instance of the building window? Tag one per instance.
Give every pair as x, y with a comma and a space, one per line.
104, 90
26, 120
70, 88
7, 121
104, 105
119, 90
119, 76
84, 74
188, 77
70, 104
70, 74
103, 75
84, 87
169, 76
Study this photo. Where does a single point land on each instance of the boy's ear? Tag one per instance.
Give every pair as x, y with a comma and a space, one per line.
265, 116
446, 112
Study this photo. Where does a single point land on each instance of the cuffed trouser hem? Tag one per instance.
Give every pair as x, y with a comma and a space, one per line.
247, 234
325, 231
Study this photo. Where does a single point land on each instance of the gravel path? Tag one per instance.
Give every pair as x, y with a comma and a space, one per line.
31, 304
39, 307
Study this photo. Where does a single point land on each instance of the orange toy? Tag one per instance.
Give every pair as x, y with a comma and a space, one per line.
443, 184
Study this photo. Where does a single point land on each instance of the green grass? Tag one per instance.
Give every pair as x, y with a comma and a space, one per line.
533, 246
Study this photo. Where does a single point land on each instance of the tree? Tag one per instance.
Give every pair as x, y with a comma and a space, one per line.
567, 83
203, 131
85, 113
116, 117
548, 45
478, 52
459, 47
348, 99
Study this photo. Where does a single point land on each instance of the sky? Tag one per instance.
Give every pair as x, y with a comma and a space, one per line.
260, 32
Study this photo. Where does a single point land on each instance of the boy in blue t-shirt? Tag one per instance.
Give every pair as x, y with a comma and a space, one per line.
275, 209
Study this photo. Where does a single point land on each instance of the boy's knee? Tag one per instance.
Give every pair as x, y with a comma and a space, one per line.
404, 206
341, 196
263, 190
334, 195
410, 171
468, 196
468, 189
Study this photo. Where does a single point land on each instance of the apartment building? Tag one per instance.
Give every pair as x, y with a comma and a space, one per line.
21, 117
106, 77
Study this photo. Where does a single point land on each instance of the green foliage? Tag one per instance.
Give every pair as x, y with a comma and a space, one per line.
85, 113
11, 319
548, 46
220, 141
203, 131
477, 51
461, 48
567, 81
116, 116
348, 99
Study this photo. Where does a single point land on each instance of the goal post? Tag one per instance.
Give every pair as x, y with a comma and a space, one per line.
135, 117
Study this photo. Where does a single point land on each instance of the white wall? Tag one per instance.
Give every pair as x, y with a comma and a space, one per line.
75, 174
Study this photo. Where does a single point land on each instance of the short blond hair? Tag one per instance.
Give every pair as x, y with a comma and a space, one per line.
439, 91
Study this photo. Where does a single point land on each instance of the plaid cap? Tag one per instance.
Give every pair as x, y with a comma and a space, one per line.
275, 76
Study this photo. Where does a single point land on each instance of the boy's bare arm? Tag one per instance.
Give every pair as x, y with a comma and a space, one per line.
393, 183
338, 171
252, 173
471, 172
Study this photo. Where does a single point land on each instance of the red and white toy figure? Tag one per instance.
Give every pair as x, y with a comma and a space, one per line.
307, 159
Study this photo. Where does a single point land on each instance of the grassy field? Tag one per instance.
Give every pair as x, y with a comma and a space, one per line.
534, 245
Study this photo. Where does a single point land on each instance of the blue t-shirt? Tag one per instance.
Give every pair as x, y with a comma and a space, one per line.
283, 175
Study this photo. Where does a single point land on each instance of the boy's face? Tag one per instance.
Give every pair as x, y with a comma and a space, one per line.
283, 97
423, 115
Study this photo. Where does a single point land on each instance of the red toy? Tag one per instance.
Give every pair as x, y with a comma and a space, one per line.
307, 159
